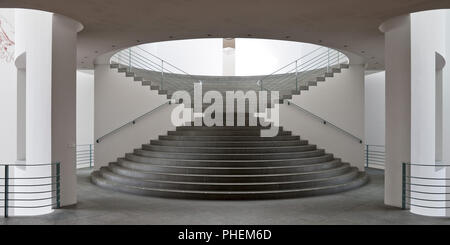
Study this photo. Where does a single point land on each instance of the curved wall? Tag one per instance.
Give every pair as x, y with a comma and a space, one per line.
252, 57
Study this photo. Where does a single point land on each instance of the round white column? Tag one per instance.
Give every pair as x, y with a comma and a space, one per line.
412, 112
49, 44
398, 105
64, 54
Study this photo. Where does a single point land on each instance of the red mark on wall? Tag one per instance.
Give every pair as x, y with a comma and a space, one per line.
6, 42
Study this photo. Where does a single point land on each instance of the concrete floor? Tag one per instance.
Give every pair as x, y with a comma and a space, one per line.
99, 206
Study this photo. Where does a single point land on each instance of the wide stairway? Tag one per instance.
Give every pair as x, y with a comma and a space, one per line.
229, 163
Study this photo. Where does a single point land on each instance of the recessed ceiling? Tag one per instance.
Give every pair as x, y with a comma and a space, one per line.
350, 25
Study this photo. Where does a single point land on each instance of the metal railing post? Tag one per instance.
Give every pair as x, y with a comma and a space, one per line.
6, 190
296, 76
162, 73
58, 185
328, 60
129, 59
367, 156
90, 155
338, 60
403, 186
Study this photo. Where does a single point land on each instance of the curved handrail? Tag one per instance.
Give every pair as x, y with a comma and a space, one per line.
132, 122
9, 185
29, 165
422, 188
326, 122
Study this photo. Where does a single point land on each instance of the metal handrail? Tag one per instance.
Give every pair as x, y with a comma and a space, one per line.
165, 62
311, 68
135, 58
55, 182
279, 69
410, 191
132, 122
326, 122
325, 59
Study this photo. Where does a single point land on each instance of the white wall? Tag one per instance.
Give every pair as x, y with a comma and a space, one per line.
8, 91
205, 56
263, 56
374, 108
339, 100
194, 56
119, 100
85, 107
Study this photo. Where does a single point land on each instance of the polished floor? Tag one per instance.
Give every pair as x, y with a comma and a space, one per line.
99, 206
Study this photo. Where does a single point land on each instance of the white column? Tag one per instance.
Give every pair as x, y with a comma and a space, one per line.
427, 43
38, 86
35, 28
50, 101
413, 45
446, 105
64, 67
229, 57
398, 105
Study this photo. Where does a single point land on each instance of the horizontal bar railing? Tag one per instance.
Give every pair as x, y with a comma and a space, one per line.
28, 187
85, 156
132, 122
375, 156
423, 191
136, 58
318, 62
326, 122
302, 76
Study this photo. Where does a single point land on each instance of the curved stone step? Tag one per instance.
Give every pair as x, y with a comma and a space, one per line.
228, 138
222, 170
359, 180
229, 163
223, 128
229, 143
234, 178
114, 175
205, 156
222, 133
229, 150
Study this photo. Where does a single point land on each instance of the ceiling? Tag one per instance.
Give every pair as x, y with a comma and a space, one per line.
348, 25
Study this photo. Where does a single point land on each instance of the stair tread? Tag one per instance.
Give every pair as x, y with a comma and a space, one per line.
233, 168
231, 154
343, 166
231, 148
237, 142
235, 183
358, 178
249, 161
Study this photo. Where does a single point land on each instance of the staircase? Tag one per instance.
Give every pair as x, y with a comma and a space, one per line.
228, 163
290, 80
